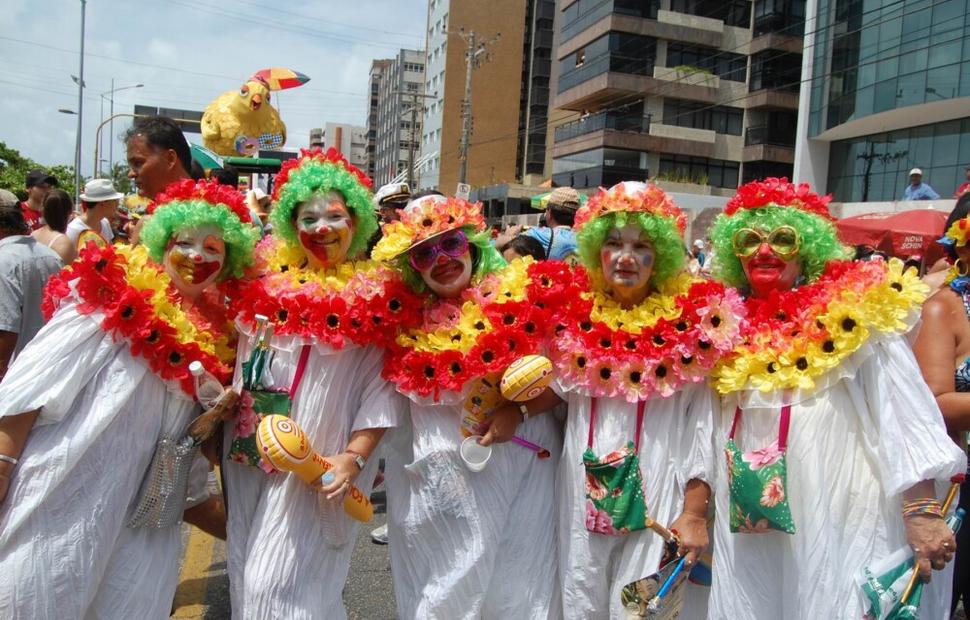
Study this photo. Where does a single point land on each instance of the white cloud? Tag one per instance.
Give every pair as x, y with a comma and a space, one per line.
332, 42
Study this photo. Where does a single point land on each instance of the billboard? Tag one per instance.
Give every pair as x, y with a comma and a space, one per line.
187, 120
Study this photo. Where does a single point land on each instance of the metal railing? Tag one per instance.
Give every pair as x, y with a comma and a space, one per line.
600, 121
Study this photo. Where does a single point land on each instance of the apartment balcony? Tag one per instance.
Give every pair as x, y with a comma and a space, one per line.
605, 87
691, 22
598, 176
599, 122
763, 144
643, 136
772, 99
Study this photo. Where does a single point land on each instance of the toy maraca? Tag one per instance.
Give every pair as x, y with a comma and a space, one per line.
285, 446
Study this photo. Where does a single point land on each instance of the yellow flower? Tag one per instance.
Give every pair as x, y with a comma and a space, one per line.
397, 239
660, 305
513, 280
906, 282
844, 323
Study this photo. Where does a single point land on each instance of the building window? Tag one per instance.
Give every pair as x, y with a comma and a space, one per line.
700, 170
781, 16
615, 51
696, 115
725, 65
580, 15
776, 71
732, 12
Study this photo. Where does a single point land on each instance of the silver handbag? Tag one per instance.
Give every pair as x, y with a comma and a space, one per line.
161, 499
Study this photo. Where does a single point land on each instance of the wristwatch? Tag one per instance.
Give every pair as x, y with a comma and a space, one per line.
359, 458
524, 411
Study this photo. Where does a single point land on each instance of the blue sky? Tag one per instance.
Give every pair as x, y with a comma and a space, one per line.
186, 53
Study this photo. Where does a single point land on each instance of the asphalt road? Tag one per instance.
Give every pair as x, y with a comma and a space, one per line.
203, 592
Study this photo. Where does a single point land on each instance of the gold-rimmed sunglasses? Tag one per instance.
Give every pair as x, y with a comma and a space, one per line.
784, 240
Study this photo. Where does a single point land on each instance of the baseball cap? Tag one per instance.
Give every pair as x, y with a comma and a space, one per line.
259, 194
564, 198
38, 176
915, 171
100, 190
698, 244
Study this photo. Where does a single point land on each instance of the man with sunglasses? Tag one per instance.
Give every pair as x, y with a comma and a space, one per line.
832, 440
467, 544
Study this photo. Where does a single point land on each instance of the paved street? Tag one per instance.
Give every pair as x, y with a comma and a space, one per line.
203, 592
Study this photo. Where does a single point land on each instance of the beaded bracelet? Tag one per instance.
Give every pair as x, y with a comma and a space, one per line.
926, 506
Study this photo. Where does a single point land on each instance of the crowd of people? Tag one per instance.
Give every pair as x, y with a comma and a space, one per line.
680, 384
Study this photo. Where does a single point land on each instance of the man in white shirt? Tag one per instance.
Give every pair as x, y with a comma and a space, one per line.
100, 203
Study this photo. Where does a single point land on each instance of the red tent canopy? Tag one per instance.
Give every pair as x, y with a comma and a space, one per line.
903, 234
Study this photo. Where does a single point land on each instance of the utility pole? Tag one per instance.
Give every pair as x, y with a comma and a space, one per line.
80, 111
476, 55
415, 108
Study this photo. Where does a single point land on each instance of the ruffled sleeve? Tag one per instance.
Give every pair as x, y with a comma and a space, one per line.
696, 440
57, 365
381, 406
904, 429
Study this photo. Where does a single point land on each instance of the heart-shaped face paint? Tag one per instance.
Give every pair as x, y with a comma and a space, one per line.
194, 258
325, 229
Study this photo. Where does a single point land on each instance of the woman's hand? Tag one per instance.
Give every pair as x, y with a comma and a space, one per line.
932, 541
502, 424
691, 530
345, 472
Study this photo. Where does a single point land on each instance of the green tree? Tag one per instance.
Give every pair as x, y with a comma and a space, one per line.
119, 176
14, 168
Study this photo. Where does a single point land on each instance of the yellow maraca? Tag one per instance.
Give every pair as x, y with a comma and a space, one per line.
285, 446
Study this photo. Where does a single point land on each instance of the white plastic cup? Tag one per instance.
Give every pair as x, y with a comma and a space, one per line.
474, 454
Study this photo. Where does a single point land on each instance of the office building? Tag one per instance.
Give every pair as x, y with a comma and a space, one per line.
350, 140
701, 94
398, 129
378, 68
510, 91
889, 91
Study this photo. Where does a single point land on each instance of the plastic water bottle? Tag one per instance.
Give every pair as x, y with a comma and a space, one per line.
208, 389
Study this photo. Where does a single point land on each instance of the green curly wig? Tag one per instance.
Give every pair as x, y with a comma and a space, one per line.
315, 176
171, 217
485, 260
663, 233
819, 240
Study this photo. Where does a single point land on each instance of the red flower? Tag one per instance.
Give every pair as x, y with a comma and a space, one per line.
210, 191
780, 192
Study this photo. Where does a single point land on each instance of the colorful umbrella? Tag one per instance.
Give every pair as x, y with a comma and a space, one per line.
904, 234
281, 78
541, 202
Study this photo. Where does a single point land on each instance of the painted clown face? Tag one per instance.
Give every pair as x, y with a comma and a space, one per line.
326, 229
773, 266
626, 259
194, 258
446, 275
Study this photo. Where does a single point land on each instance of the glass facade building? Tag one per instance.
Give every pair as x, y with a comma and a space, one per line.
899, 67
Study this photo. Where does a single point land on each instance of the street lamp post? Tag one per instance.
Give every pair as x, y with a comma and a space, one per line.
111, 128
80, 112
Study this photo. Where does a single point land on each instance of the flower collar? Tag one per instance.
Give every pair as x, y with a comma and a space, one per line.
794, 337
671, 339
361, 301
501, 318
142, 307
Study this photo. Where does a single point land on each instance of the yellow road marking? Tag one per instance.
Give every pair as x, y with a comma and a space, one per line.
190, 596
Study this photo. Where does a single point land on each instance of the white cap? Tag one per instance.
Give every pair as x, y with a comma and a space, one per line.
258, 194
100, 190
915, 171
698, 244
196, 368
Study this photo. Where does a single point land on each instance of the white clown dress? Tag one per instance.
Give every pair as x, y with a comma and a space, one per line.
868, 431
65, 551
471, 544
674, 448
289, 547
